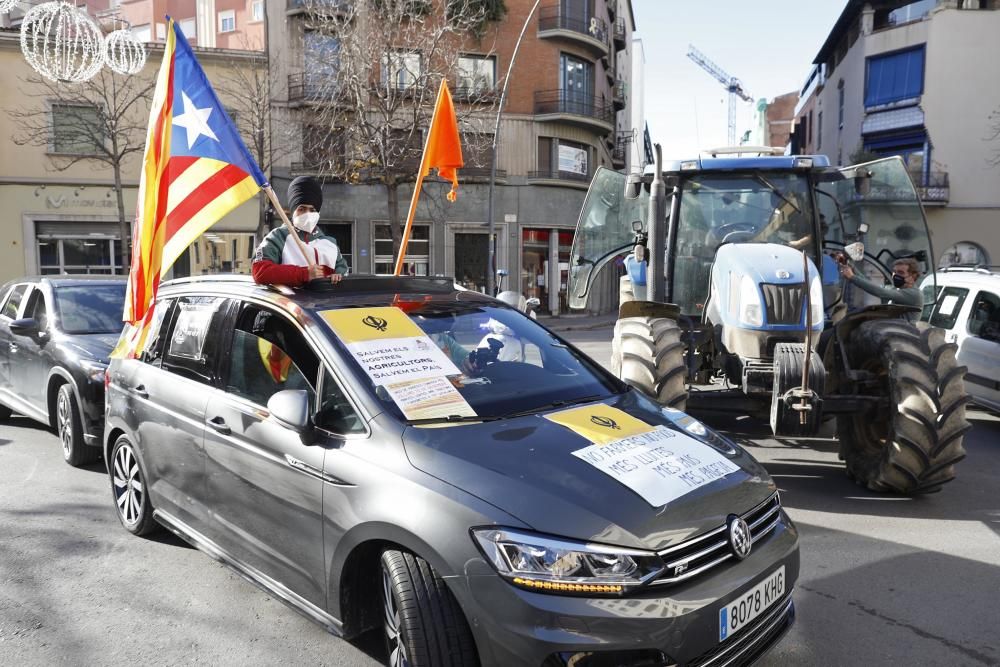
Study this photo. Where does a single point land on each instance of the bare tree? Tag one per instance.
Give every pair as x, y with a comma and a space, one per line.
372, 72
245, 84
100, 122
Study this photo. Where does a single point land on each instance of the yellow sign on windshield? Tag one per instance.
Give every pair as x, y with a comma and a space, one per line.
354, 325
600, 423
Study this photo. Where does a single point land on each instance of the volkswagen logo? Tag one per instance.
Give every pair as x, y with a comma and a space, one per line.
605, 422
740, 540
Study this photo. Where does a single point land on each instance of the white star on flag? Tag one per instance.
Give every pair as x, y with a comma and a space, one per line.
194, 121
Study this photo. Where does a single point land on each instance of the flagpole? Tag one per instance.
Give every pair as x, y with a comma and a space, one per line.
288, 223
412, 213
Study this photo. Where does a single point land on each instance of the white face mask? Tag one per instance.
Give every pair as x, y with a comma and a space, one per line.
306, 221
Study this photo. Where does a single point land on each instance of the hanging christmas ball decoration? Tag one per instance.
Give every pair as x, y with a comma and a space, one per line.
123, 53
61, 43
7, 5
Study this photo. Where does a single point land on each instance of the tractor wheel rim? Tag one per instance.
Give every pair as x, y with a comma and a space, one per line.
128, 485
64, 422
393, 633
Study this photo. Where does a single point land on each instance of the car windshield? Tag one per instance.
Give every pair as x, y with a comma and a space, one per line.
759, 207
90, 309
506, 363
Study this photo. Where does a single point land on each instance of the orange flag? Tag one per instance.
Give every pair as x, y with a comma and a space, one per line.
444, 147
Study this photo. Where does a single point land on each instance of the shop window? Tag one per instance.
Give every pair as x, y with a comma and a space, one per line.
894, 77
343, 234
77, 129
88, 254
418, 260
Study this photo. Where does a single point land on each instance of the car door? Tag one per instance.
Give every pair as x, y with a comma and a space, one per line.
979, 349
30, 373
8, 342
169, 391
265, 484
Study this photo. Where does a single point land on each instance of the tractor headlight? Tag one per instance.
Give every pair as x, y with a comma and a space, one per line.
550, 565
751, 309
816, 301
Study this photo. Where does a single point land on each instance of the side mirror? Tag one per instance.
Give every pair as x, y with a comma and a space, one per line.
26, 326
290, 408
637, 226
633, 186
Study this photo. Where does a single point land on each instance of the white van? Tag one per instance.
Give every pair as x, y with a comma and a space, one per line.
967, 306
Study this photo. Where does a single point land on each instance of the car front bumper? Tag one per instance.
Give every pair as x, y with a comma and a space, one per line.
662, 625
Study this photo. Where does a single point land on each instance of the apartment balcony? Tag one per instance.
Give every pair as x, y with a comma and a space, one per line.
479, 175
560, 178
618, 95
474, 94
331, 8
619, 36
301, 89
618, 156
587, 112
590, 32
932, 188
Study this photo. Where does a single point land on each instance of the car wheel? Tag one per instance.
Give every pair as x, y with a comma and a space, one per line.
129, 490
69, 426
424, 624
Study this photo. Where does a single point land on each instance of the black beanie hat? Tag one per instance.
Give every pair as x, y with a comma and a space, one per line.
304, 190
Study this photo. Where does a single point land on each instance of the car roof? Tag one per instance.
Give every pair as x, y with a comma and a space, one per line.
351, 292
968, 276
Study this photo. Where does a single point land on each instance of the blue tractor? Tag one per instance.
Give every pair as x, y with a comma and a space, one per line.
733, 302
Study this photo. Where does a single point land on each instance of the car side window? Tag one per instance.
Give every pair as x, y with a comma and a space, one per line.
335, 412
193, 344
155, 346
37, 310
984, 318
948, 306
269, 354
13, 302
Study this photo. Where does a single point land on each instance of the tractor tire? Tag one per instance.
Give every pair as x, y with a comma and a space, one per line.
913, 449
648, 353
626, 292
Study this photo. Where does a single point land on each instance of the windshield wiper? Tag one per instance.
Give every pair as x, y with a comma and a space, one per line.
767, 184
450, 419
550, 406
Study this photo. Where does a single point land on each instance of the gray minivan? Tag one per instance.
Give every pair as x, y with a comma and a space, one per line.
376, 456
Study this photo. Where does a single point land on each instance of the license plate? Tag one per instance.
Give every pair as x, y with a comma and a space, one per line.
750, 605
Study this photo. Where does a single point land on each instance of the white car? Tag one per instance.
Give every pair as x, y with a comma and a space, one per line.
967, 306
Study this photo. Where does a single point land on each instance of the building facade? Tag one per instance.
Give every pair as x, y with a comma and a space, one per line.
66, 221
904, 78
567, 112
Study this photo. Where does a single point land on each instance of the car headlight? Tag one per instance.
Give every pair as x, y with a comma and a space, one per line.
551, 565
751, 310
816, 301
94, 371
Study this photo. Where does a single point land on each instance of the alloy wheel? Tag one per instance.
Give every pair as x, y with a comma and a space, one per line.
128, 485
64, 423
393, 632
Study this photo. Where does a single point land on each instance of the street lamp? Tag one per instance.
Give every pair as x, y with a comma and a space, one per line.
491, 257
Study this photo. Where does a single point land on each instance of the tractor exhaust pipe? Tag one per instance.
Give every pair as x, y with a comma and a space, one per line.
656, 275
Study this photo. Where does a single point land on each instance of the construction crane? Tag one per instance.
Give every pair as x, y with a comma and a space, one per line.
732, 84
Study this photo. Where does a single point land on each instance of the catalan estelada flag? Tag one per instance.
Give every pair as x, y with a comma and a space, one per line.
195, 170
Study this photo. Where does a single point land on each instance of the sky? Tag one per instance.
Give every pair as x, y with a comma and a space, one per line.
768, 44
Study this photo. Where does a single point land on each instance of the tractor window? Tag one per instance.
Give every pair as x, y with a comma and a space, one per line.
764, 207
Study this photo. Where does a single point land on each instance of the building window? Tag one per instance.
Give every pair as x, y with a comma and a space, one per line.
840, 105
476, 75
227, 20
87, 254
161, 32
418, 257
257, 10
819, 130
190, 28
576, 79
143, 33
809, 129
77, 130
401, 69
322, 55
894, 77
545, 154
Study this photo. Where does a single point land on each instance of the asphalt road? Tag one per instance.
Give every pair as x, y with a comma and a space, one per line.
885, 581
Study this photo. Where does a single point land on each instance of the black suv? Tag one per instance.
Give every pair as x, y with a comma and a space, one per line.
55, 337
